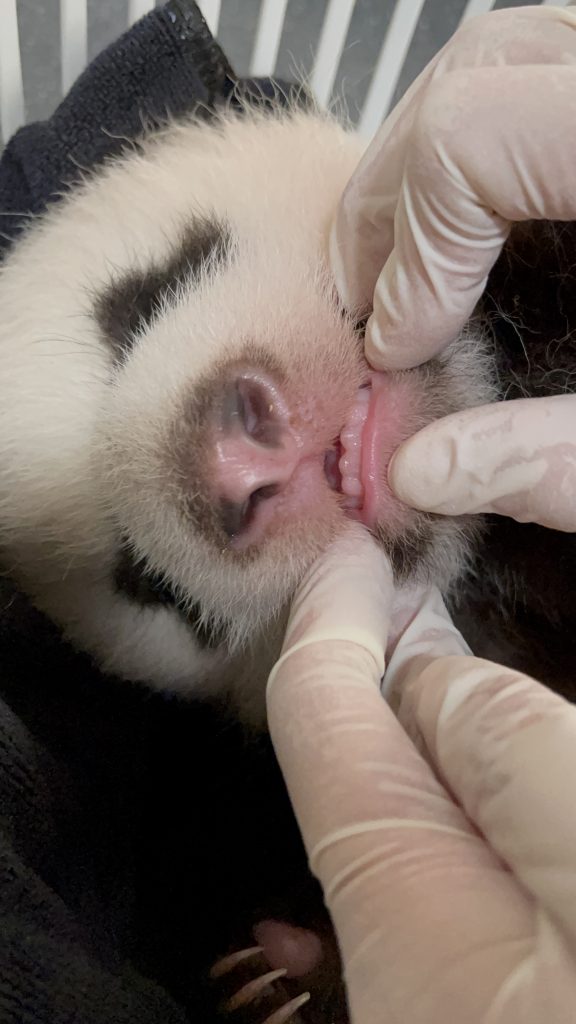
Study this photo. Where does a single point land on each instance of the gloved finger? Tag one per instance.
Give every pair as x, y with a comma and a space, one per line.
362, 235
347, 596
426, 916
402, 868
323, 693
420, 624
515, 458
506, 747
334, 646
458, 199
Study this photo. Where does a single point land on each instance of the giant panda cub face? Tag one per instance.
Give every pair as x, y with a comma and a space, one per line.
187, 418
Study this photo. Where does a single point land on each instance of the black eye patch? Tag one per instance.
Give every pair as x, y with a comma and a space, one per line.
134, 578
129, 303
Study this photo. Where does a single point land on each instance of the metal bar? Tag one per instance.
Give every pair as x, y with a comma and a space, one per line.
330, 46
138, 8
390, 63
73, 41
211, 11
268, 33
11, 87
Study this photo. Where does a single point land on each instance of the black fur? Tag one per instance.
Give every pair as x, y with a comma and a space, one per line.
130, 303
519, 605
407, 552
134, 578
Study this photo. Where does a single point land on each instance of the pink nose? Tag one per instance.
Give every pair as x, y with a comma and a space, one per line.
256, 452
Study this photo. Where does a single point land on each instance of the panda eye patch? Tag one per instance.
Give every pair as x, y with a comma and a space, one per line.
131, 302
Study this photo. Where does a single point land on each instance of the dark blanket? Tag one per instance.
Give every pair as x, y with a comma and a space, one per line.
120, 874
167, 64
140, 837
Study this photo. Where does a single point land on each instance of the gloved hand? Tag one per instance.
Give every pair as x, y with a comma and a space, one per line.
516, 458
485, 137
447, 859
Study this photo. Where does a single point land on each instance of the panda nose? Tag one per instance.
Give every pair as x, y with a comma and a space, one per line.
256, 452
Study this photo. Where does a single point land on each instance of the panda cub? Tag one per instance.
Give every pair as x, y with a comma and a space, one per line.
186, 415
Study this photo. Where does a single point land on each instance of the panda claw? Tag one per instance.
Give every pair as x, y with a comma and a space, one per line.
284, 1013
252, 989
228, 963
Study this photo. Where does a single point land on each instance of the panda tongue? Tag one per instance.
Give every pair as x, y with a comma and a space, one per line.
298, 950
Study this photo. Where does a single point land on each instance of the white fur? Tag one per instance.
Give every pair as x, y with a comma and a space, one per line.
81, 443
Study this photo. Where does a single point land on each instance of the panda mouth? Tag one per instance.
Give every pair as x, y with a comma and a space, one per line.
351, 440
357, 465
332, 466
343, 462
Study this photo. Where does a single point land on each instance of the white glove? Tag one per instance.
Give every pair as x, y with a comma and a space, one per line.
515, 458
452, 899
486, 136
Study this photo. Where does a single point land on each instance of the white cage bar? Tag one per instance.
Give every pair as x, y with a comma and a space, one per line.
11, 85
329, 47
138, 8
73, 40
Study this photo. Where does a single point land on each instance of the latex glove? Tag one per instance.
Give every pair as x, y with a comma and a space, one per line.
515, 458
483, 138
435, 922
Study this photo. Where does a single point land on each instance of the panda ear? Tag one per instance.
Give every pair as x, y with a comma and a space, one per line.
130, 303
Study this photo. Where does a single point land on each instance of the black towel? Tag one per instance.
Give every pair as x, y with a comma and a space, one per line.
118, 875
168, 63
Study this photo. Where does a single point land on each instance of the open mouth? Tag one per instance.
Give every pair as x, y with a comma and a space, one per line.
355, 466
343, 462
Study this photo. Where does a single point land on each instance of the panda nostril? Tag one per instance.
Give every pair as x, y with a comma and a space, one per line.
232, 517
249, 406
262, 493
255, 455
235, 517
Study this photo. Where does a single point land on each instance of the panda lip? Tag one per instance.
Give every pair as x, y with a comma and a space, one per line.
350, 444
